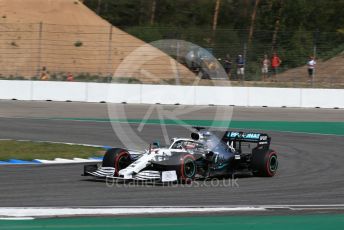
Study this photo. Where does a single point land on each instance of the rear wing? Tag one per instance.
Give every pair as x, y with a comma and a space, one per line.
261, 139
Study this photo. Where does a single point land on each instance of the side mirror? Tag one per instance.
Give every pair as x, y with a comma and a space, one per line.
195, 136
156, 144
210, 154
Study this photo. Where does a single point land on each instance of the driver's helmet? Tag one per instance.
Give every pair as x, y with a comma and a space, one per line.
189, 145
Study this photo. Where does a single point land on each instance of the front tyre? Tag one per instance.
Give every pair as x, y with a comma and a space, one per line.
264, 162
186, 170
117, 158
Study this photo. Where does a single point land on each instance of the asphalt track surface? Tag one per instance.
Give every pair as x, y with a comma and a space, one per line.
39, 109
310, 173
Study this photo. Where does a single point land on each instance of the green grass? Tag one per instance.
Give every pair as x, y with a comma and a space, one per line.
27, 150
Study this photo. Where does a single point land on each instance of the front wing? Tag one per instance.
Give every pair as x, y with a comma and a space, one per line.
145, 175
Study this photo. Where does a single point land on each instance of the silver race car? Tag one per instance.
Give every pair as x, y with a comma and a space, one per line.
203, 155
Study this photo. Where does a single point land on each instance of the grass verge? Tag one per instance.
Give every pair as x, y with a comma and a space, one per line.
28, 150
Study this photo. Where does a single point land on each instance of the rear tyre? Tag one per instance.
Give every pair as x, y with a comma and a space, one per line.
264, 162
117, 158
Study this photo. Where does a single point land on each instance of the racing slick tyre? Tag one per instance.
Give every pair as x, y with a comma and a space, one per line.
264, 162
117, 158
186, 168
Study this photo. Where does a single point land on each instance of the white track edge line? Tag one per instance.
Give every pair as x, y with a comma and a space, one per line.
53, 212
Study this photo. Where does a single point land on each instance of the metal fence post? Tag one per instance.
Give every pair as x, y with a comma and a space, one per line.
39, 55
315, 40
245, 63
176, 62
110, 52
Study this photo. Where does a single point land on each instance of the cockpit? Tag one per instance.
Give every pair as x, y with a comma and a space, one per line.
211, 141
187, 145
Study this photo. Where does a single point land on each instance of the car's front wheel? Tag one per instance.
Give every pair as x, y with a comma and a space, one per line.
117, 158
186, 170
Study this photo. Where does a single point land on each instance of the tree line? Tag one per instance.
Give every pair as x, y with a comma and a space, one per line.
293, 28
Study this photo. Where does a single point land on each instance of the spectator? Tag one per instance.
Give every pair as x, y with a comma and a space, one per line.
70, 77
240, 62
265, 67
44, 74
212, 69
44, 77
275, 63
311, 67
228, 65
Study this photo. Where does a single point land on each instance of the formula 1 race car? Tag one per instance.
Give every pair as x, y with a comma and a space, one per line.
204, 155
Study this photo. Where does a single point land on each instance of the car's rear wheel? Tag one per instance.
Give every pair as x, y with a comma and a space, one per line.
264, 162
117, 158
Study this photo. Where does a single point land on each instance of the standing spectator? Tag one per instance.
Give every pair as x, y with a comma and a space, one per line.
44, 74
240, 62
265, 67
275, 63
212, 69
311, 67
228, 65
70, 77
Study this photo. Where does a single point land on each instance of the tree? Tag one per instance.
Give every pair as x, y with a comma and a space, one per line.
153, 9
216, 14
277, 25
99, 6
253, 20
